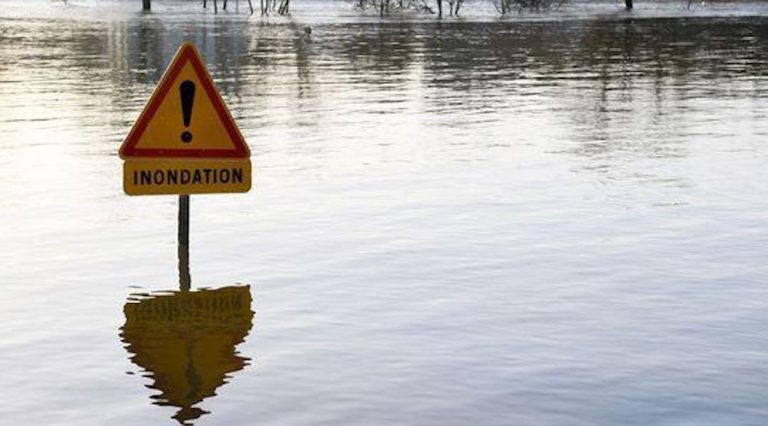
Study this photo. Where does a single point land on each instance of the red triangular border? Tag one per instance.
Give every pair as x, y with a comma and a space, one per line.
187, 53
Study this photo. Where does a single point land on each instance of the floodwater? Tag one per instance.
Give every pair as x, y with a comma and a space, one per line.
544, 220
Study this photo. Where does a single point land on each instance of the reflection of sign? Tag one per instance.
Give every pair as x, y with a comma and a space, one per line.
185, 341
185, 121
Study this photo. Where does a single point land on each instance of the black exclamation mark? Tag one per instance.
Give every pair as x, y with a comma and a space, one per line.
187, 93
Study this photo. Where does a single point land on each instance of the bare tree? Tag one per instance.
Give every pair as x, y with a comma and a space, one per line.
386, 7
505, 6
454, 6
284, 7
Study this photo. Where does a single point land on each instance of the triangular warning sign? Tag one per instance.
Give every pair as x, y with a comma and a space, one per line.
185, 117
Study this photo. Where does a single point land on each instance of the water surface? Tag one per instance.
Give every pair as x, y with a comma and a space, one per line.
544, 220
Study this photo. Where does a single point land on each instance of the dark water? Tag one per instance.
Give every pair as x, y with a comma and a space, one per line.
538, 221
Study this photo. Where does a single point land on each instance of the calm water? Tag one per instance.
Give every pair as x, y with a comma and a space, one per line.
539, 221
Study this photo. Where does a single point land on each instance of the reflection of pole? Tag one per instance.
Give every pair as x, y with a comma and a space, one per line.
185, 280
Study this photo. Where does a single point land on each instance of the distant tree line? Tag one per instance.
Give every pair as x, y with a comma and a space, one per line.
385, 7
453, 7
281, 7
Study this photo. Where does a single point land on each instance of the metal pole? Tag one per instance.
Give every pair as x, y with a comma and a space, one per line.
185, 280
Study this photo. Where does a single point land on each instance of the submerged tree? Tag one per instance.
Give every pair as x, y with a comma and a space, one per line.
454, 6
386, 7
506, 6
282, 7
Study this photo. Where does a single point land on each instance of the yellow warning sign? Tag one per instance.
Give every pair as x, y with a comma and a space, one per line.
185, 140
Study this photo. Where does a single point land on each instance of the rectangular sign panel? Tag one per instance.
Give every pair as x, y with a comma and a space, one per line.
158, 176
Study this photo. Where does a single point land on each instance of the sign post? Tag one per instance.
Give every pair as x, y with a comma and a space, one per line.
185, 142
185, 279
